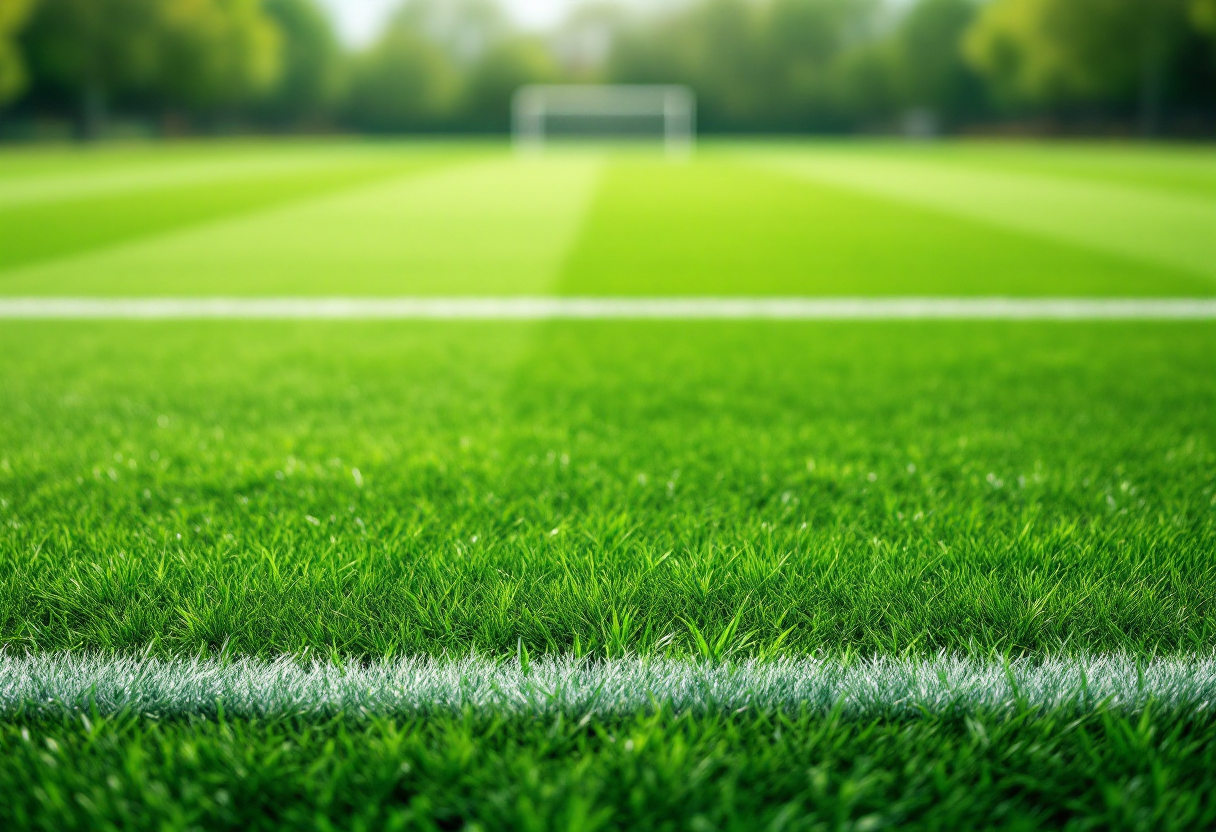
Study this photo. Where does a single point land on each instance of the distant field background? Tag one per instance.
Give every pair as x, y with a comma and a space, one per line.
741, 219
696, 490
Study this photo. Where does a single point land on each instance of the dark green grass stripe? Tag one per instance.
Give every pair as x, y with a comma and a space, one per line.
743, 771
717, 227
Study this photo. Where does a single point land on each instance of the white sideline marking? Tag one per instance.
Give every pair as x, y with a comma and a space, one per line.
58, 683
586, 308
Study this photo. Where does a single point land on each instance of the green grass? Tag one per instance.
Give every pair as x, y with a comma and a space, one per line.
740, 219
872, 487
728, 227
654, 771
1156, 227
52, 216
1181, 168
692, 489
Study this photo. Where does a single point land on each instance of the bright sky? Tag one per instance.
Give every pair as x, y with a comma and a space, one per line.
359, 20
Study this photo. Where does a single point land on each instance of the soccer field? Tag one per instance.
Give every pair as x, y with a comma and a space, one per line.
643, 571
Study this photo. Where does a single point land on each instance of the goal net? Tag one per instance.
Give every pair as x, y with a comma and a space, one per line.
541, 113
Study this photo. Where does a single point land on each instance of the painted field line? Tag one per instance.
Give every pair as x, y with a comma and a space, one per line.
58, 683
586, 308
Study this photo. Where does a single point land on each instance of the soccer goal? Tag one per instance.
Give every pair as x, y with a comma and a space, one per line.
546, 112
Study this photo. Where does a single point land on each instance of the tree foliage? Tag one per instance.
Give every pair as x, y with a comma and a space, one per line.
216, 52
190, 53
755, 65
933, 72
404, 82
96, 49
497, 74
12, 67
784, 64
1059, 52
1203, 15
313, 65
445, 64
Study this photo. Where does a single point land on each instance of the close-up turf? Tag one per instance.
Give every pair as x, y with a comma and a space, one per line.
622, 568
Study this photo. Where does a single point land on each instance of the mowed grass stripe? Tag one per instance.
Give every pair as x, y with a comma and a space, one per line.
599, 487
720, 226
491, 224
64, 684
59, 217
1188, 170
51, 162
711, 227
1173, 230
159, 171
587, 308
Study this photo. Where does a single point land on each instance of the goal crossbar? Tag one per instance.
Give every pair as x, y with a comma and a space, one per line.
534, 105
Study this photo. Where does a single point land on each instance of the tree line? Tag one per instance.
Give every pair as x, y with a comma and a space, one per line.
771, 66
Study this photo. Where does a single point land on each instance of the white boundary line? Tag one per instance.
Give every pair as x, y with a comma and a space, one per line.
587, 308
53, 683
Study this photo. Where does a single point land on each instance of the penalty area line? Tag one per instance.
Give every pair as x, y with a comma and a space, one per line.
608, 308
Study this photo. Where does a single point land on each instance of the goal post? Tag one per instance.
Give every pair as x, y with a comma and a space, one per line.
541, 113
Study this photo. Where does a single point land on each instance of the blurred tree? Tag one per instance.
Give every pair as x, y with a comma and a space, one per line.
864, 88
12, 68
756, 65
313, 65
493, 80
932, 73
712, 46
823, 71
464, 29
1059, 52
779, 65
816, 32
1203, 14
216, 52
94, 51
585, 39
191, 53
404, 82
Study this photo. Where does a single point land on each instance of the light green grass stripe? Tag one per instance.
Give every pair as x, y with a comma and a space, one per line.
1169, 229
157, 172
484, 227
55, 683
